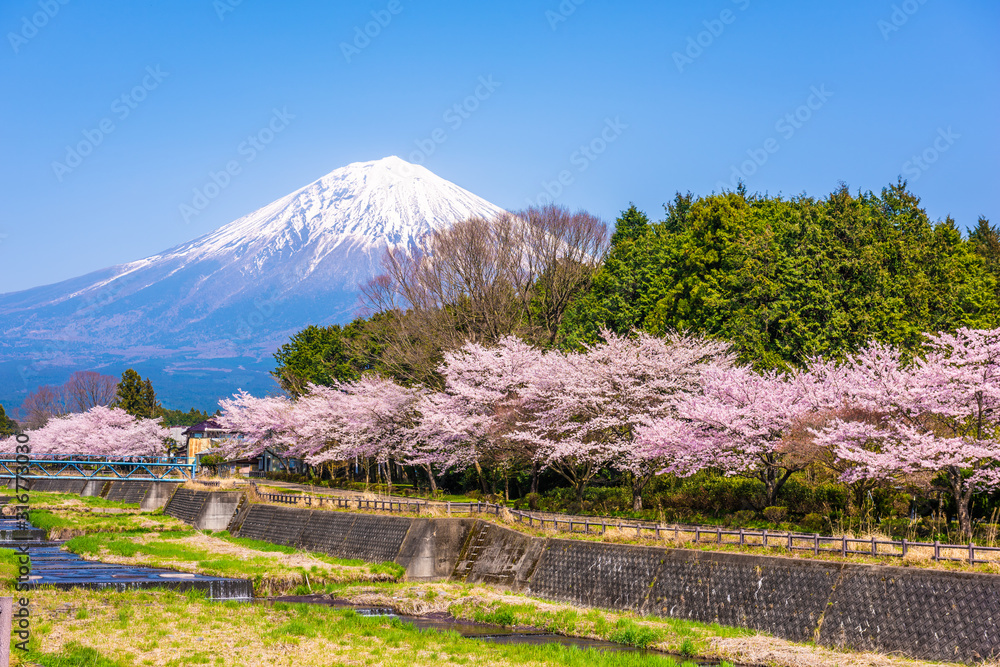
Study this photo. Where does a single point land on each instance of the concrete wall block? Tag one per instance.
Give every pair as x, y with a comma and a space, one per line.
921, 613
431, 547
612, 576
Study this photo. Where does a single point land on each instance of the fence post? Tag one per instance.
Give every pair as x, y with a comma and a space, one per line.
638, 527
874, 548
843, 546
904, 547
816, 544
697, 534
718, 534
789, 540
972, 553
449, 508
763, 538
741, 537
937, 550
6, 622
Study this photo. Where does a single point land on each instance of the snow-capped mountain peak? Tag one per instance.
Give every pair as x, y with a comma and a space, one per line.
242, 289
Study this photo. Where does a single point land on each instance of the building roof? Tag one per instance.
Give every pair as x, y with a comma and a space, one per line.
204, 427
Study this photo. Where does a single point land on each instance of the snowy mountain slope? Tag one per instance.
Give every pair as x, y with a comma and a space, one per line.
237, 292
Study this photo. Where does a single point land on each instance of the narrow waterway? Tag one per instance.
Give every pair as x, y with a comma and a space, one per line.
51, 566
482, 631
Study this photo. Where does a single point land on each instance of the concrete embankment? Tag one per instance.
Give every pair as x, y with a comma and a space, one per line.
149, 494
923, 613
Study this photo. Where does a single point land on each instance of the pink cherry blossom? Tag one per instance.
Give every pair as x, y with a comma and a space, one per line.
100, 431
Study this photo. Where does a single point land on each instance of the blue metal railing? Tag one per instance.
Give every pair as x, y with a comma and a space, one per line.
97, 467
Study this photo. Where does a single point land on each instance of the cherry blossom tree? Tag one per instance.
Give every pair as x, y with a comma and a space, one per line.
468, 422
938, 414
740, 422
258, 422
371, 418
585, 409
100, 431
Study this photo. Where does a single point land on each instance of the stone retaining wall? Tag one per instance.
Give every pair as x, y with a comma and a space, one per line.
205, 510
922, 613
148, 494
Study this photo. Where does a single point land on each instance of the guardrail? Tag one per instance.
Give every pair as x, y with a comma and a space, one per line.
813, 543
166, 469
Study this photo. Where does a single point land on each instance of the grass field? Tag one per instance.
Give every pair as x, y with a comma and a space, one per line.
103, 629
112, 629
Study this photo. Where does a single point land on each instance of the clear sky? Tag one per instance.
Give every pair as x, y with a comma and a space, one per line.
795, 97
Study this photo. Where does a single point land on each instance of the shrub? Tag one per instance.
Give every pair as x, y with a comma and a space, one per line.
741, 518
533, 501
633, 634
775, 514
815, 523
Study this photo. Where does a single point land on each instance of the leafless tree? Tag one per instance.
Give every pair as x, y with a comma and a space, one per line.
87, 389
483, 279
40, 406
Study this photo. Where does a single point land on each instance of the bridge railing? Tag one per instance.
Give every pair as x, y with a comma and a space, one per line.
95, 467
814, 543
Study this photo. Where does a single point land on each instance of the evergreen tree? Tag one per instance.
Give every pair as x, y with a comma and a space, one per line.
326, 355
8, 426
136, 396
616, 299
985, 240
787, 279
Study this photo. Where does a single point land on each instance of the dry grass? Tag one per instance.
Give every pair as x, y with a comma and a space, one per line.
218, 484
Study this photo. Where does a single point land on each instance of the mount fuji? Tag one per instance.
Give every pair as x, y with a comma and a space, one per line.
202, 319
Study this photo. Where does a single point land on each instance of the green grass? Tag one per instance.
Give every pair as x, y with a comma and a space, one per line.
70, 499
305, 634
261, 565
9, 566
76, 655
395, 570
69, 520
677, 635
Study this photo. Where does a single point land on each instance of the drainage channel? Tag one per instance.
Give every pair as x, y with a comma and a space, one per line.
481, 631
51, 566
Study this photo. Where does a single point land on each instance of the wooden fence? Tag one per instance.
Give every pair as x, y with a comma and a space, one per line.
813, 543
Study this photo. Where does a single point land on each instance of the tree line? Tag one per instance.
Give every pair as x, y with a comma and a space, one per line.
781, 280
85, 390
783, 283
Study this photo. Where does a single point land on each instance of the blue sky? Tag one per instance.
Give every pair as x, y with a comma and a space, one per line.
794, 97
